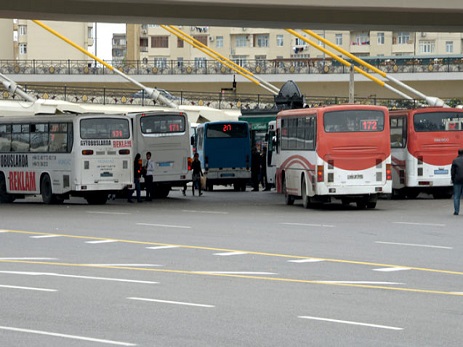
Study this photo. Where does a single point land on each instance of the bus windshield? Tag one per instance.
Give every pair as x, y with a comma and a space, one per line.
227, 130
353, 121
162, 124
438, 121
104, 128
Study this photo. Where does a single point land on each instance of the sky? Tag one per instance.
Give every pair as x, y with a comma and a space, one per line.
104, 34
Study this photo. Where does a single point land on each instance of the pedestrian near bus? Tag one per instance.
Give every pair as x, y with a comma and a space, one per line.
456, 172
137, 172
197, 174
149, 169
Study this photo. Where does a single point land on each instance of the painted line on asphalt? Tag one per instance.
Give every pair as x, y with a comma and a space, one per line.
44, 236
421, 224
239, 272
172, 302
4, 231
29, 288
363, 282
100, 241
310, 225
28, 258
162, 247
76, 276
165, 225
392, 269
110, 213
226, 254
205, 212
351, 323
266, 254
412, 245
73, 337
129, 265
308, 260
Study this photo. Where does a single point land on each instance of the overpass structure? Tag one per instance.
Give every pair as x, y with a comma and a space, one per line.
423, 15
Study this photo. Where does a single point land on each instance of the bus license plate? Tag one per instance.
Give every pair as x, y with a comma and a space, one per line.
227, 175
165, 164
441, 172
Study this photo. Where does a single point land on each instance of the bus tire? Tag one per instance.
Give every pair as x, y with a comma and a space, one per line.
289, 199
46, 189
371, 204
305, 197
161, 192
5, 198
361, 205
97, 198
209, 186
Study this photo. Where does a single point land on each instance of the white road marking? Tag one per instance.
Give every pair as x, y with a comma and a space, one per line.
238, 273
162, 247
165, 225
28, 258
427, 224
310, 225
308, 260
100, 241
391, 269
44, 236
171, 302
352, 323
207, 212
74, 337
225, 254
412, 245
128, 265
361, 282
29, 288
76, 276
4, 231
111, 213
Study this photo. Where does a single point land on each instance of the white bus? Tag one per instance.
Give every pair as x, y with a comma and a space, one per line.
333, 152
65, 155
166, 134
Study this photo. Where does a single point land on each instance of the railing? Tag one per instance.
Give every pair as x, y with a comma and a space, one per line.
212, 67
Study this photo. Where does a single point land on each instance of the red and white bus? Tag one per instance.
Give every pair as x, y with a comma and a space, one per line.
424, 142
339, 151
65, 155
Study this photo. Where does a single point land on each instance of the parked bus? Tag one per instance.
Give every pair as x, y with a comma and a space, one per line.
424, 142
333, 152
166, 134
224, 150
65, 155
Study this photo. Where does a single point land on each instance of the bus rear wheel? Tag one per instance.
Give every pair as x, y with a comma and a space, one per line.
305, 197
289, 199
46, 190
5, 198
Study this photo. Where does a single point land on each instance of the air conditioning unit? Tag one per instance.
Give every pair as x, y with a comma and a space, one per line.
211, 38
144, 31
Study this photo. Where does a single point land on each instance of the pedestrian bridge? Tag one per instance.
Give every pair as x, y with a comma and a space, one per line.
391, 15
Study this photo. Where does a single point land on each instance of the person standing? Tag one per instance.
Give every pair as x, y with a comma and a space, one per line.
197, 173
456, 173
255, 169
149, 168
137, 171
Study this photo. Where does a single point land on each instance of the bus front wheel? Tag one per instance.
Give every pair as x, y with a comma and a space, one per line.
5, 198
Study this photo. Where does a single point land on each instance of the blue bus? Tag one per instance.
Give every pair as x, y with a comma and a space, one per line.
224, 149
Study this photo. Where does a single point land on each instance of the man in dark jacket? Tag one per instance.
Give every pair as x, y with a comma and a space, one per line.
457, 180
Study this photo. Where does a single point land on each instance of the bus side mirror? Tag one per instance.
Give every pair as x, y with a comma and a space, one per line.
192, 140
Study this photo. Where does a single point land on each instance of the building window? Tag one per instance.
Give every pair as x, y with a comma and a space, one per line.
160, 63
448, 46
280, 41
219, 41
22, 48
262, 40
362, 39
241, 60
403, 38
338, 38
22, 29
427, 47
180, 43
201, 38
300, 42
159, 41
380, 39
241, 40
200, 63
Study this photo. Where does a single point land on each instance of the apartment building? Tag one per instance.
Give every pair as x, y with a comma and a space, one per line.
154, 43
30, 41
